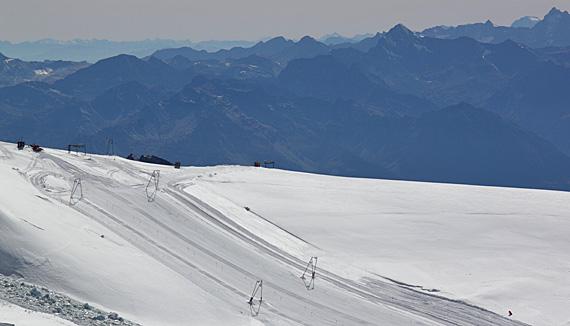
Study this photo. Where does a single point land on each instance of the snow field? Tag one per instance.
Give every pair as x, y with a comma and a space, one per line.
193, 255
20, 316
499, 248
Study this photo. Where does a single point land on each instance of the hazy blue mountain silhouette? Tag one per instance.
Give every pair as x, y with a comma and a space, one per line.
367, 110
558, 55
184, 52
487, 149
92, 81
442, 71
363, 45
125, 99
215, 121
335, 38
553, 30
254, 67
506, 78
95, 50
539, 101
277, 48
15, 71
526, 22
269, 48
251, 67
35, 111
326, 77
307, 47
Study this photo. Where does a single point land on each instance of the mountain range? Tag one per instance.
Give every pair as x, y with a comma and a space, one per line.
533, 32
16, 71
551, 31
95, 50
395, 105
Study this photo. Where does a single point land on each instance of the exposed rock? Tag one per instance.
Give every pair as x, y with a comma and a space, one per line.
34, 292
132, 157
29, 297
154, 159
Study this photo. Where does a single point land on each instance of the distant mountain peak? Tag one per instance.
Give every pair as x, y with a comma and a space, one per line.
335, 34
276, 39
554, 11
553, 30
555, 14
400, 32
335, 38
400, 28
525, 22
124, 57
307, 39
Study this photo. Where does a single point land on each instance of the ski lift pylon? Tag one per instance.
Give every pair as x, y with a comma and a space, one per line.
312, 269
257, 288
76, 186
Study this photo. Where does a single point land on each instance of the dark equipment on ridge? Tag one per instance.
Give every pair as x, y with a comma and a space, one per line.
36, 148
77, 147
272, 163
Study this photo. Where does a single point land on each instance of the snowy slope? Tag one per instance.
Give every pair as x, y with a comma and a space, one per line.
192, 253
499, 248
20, 316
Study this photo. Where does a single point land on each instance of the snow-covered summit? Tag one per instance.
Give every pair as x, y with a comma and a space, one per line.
527, 22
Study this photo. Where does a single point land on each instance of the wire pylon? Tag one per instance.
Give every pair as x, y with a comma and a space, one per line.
152, 186
76, 185
312, 269
110, 147
258, 287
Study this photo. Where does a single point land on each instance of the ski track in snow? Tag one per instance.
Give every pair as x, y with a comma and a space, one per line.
224, 258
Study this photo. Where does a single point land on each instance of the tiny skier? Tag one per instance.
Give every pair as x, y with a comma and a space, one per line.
510, 313
250, 301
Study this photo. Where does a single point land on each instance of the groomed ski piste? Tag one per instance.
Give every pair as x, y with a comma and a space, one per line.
235, 245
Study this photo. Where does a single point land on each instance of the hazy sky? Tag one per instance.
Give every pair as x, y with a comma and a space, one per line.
200, 20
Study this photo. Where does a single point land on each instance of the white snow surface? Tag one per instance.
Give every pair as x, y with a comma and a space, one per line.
20, 316
389, 252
